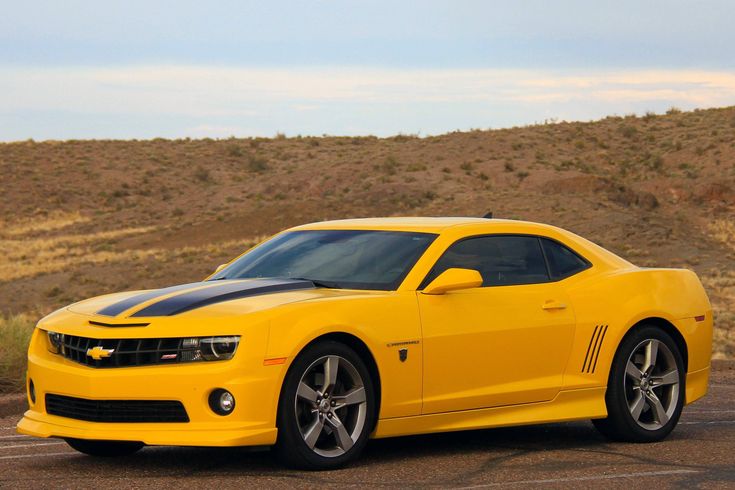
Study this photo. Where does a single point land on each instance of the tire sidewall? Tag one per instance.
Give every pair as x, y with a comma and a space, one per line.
290, 445
616, 401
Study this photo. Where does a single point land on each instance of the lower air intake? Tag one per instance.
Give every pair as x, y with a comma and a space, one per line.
116, 411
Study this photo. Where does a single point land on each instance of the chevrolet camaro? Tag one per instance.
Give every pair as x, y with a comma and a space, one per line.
335, 332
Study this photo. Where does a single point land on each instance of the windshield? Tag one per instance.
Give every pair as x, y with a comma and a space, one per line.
345, 259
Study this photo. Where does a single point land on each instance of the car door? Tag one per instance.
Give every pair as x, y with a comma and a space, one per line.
504, 343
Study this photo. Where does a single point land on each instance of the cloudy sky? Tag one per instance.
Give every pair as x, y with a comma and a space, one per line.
142, 69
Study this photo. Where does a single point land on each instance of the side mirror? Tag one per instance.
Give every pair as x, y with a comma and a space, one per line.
220, 267
453, 280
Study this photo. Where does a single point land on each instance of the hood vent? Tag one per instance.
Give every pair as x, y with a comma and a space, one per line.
115, 325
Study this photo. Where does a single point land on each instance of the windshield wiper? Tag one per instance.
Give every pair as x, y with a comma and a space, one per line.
317, 283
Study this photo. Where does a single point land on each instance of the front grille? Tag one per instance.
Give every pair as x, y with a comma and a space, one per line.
128, 352
116, 410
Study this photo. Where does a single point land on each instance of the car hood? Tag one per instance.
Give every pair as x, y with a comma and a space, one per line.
209, 297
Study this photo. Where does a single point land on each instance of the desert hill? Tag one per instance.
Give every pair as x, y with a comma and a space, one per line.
81, 218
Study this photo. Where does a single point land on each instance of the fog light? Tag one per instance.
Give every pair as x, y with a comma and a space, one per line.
31, 391
221, 402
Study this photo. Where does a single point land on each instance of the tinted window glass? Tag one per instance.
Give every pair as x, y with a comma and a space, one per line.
501, 260
562, 261
350, 259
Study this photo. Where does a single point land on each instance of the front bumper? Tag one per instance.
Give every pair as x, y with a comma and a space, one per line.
39, 424
252, 423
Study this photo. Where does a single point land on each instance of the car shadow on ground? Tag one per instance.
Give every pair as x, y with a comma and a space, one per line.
491, 444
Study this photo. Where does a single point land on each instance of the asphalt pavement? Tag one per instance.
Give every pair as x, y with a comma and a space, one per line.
700, 453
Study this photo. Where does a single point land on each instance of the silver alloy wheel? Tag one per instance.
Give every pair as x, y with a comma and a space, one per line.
331, 406
652, 384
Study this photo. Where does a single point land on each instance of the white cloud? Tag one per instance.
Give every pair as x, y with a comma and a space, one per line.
218, 101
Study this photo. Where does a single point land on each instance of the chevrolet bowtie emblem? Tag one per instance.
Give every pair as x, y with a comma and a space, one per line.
99, 352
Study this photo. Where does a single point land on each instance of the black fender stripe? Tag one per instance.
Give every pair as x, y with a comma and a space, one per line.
593, 349
226, 292
599, 348
589, 348
117, 308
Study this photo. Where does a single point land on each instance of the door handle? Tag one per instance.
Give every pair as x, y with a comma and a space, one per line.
553, 305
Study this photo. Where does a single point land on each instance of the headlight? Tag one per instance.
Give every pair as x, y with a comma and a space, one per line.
55, 341
216, 348
210, 348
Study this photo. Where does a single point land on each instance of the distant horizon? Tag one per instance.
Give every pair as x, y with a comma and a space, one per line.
282, 135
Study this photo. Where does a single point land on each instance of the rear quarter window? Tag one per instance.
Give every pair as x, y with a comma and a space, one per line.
563, 261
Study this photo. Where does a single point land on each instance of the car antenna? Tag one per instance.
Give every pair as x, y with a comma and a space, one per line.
488, 215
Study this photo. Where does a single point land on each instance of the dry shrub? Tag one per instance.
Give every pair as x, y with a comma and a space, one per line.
15, 334
720, 286
723, 230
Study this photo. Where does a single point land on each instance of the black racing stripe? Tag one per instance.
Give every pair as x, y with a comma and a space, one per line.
226, 292
117, 308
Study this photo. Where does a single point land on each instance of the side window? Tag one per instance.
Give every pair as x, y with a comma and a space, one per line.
562, 261
501, 260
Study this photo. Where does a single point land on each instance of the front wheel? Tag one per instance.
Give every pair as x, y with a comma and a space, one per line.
327, 408
645, 393
105, 449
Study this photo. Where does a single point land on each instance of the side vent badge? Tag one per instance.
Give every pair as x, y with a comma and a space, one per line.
403, 354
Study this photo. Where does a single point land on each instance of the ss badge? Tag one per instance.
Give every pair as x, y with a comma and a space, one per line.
403, 354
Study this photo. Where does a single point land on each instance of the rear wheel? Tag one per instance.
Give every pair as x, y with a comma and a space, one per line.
104, 448
327, 408
645, 393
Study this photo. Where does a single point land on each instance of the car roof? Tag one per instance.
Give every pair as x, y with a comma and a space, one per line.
417, 224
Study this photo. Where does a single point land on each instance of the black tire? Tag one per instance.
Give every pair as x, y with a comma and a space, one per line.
621, 395
105, 449
291, 447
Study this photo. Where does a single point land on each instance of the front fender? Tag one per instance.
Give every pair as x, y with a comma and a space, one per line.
379, 322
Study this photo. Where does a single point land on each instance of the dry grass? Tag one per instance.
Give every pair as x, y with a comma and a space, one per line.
24, 256
54, 221
28, 256
723, 230
15, 333
720, 286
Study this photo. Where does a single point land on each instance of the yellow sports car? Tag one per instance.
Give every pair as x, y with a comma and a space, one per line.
331, 333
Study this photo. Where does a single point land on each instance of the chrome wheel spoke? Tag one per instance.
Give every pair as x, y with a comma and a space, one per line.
340, 433
312, 432
331, 366
658, 409
305, 392
637, 407
651, 356
354, 397
633, 372
670, 378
